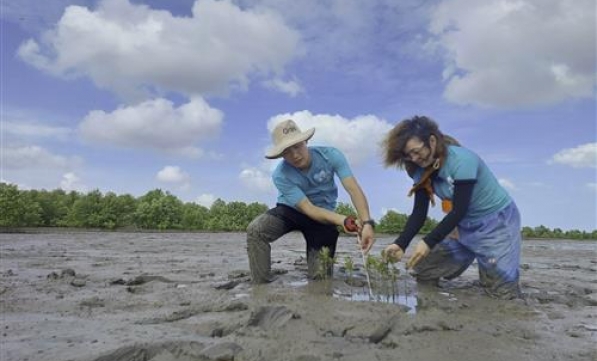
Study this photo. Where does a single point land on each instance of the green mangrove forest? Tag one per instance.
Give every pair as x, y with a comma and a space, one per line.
160, 210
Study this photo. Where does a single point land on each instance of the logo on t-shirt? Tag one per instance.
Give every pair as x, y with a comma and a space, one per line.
450, 181
322, 176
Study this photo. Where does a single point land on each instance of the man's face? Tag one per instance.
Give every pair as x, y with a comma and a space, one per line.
297, 155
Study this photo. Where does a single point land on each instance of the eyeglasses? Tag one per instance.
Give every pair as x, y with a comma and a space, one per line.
413, 152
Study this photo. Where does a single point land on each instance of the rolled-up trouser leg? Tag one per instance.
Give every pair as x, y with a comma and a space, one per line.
262, 231
317, 266
275, 223
448, 259
318, 237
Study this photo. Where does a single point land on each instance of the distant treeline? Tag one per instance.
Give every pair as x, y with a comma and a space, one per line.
159, 210
393, 222
155, 210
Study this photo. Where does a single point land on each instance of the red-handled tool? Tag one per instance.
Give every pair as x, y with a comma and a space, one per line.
350, 224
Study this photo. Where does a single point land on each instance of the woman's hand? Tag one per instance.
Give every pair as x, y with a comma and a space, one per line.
393, 253
421, 251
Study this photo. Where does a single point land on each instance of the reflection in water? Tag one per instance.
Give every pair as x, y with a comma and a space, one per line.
402, 292
299, 283
408, 300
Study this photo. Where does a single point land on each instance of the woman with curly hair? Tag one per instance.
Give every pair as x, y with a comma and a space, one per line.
484, 215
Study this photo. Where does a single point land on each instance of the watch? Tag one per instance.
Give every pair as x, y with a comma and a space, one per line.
369, 222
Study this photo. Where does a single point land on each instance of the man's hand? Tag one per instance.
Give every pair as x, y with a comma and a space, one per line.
393, 253
421, 251
367, 238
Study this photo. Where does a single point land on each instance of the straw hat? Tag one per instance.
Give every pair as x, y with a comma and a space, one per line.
286, 134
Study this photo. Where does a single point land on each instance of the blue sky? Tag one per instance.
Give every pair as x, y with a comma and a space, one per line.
132, 95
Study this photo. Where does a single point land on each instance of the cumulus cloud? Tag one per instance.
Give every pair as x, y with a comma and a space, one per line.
206, 200
359, 138
155, 124
132, 49
71, 182
174, 175
510, 53
257, 180
583, 156
37, 157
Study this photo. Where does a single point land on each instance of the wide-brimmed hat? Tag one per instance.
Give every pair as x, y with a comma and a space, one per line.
286, 134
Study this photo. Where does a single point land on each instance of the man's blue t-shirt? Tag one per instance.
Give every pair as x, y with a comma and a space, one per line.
316, 183
462, 164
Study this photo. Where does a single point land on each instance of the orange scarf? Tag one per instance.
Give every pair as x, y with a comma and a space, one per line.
425, 182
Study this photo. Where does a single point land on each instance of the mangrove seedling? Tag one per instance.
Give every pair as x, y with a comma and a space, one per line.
325, 264
349, 267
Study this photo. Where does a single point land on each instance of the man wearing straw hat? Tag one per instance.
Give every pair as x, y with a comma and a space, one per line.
307, 195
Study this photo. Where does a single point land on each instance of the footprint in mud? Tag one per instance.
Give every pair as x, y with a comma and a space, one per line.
570, 298
268, 317
173, 351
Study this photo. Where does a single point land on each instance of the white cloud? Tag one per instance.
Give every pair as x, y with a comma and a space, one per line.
206, 200
36, 157
592, 186
24, 129
71, 182
133, 49
359, 138
516, 52
155, 124
257, 180
583, 156
174, 175
508, 184
291, 87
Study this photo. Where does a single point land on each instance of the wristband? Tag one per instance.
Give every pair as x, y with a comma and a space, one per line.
369, 222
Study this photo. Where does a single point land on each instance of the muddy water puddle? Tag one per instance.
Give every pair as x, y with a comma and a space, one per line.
407, 300
404, 292
401, 292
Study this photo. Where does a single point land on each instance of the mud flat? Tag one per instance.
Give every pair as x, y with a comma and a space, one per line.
89, 296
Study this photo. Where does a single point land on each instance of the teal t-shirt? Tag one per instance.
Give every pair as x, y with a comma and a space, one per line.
463, 164
316, 183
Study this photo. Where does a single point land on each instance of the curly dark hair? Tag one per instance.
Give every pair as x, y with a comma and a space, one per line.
420, 127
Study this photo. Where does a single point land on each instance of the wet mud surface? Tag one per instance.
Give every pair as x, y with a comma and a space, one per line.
87, 296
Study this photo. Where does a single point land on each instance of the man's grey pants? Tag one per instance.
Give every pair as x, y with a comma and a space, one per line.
275, 223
